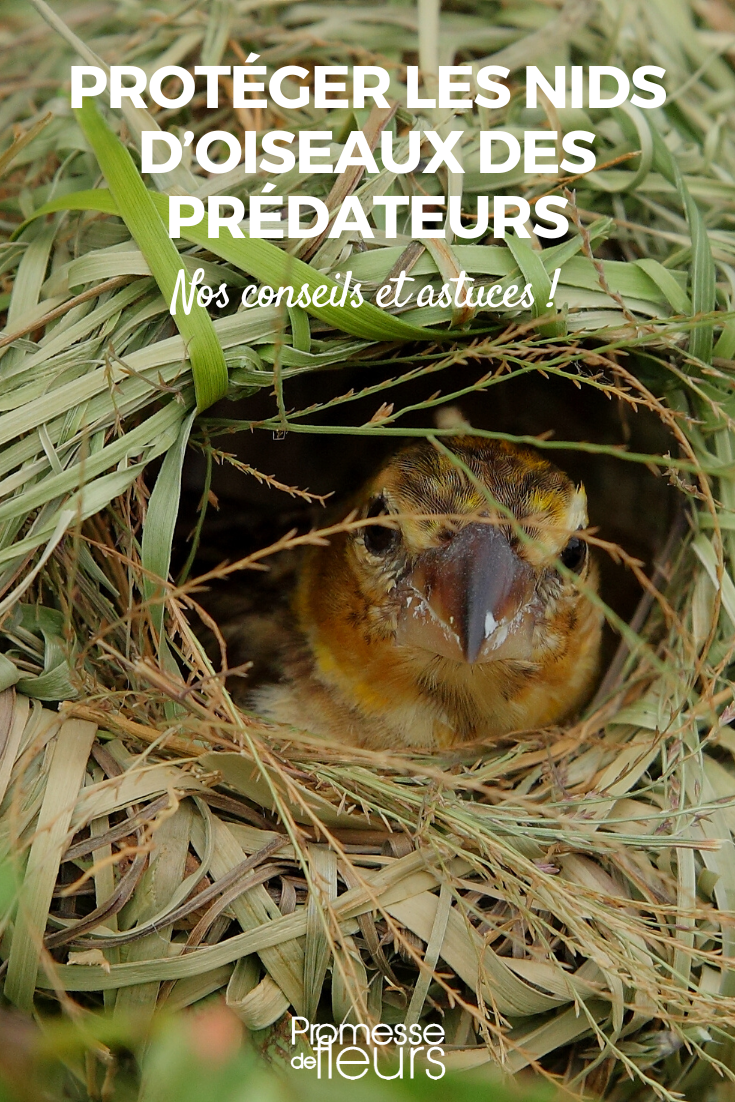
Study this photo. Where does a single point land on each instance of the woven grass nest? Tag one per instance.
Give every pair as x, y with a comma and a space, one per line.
563, 903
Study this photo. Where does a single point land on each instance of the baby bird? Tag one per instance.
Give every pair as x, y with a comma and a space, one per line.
447, 617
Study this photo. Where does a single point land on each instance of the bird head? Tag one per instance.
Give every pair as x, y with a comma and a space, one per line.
466, 589
465, 560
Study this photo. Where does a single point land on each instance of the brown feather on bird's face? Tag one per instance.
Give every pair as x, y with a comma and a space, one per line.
449, 617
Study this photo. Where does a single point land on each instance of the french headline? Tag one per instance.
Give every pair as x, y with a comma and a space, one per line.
420, 152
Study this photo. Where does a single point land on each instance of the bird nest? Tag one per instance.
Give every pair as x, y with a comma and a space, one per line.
562, 901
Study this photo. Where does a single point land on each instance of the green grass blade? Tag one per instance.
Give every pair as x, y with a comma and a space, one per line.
135, 206
533, 271
703, 268
158, 531
666, 283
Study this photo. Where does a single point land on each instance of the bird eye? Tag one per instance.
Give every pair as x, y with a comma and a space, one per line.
574, 555
378, 539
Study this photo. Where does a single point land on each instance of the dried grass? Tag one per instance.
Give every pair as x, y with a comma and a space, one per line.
566, 902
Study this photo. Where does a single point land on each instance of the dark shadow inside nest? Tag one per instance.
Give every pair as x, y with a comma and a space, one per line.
629, 503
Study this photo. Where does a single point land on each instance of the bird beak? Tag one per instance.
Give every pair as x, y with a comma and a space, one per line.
471, 600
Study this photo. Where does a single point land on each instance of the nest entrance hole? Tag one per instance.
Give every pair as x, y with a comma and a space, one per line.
631, 504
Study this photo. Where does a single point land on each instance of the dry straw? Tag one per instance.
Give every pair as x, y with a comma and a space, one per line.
567, 902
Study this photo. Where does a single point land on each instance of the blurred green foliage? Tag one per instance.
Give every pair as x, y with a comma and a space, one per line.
203, 1056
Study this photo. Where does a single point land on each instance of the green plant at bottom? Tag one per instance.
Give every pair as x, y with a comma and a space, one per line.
204, 1056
